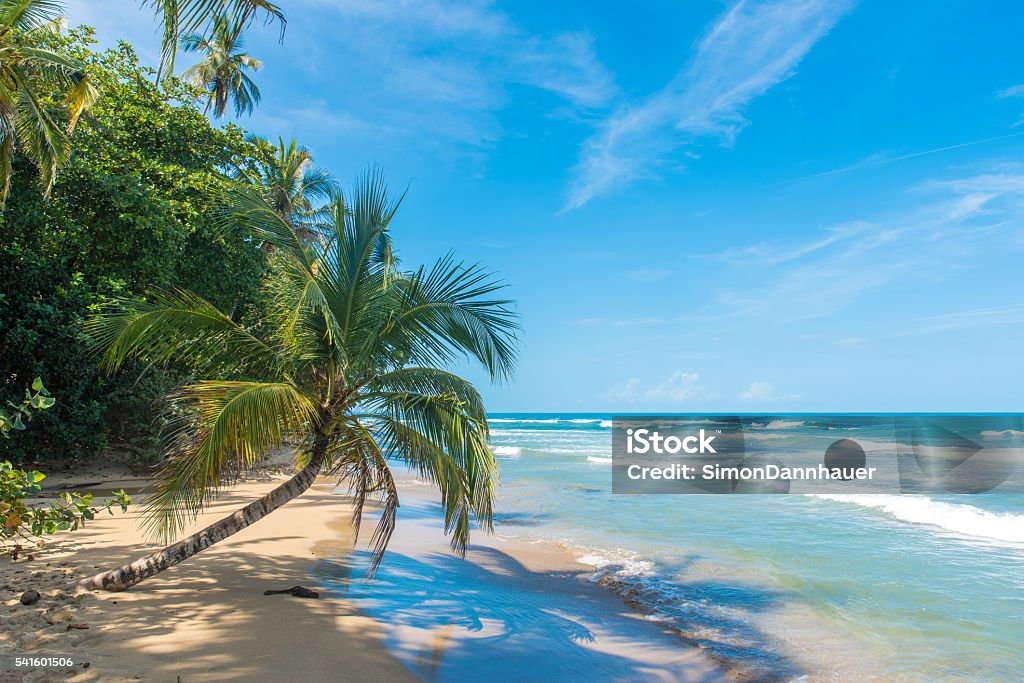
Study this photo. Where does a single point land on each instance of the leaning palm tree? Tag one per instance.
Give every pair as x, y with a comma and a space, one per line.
181, 17
222, 70
30, 74
291, 184
350, 365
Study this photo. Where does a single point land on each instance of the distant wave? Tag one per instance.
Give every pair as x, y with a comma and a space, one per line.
957, 518
507, 451
778, 424
594, 458
991, 434
549, 420
606, 424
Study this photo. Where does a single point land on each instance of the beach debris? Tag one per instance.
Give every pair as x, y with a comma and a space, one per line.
78, 626
297, 591
30, 597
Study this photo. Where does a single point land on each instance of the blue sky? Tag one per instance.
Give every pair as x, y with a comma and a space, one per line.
706, 206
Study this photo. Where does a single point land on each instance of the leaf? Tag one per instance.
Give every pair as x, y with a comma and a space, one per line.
13, 520
37, 384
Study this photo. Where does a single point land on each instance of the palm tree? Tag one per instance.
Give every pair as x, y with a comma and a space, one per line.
222, 71
29, 75
290, 183
181, 17
349, 364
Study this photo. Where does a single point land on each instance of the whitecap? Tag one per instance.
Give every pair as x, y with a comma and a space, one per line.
962, 519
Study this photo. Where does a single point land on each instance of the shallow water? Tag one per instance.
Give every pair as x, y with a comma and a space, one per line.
872, 587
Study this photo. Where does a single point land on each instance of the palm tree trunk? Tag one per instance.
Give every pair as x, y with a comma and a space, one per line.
130, 574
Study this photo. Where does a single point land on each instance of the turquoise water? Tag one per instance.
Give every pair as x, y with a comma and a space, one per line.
883, 587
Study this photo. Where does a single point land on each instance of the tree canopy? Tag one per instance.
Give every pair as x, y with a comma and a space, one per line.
135, 207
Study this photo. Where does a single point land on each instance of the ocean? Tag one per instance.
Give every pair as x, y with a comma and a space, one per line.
827, 587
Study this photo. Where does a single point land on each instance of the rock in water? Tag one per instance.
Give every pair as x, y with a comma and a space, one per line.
30, 597
297, 591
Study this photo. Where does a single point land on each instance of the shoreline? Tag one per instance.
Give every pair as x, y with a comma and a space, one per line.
207, 619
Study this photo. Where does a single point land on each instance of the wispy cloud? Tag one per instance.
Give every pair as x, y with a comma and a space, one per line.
678, 387
1012, 91
876, 160
750, 49
436, 72
1012, 314
951, 221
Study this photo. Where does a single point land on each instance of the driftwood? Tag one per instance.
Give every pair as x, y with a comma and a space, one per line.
297, 591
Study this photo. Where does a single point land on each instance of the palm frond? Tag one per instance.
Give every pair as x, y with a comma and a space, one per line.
45, 141
180, 326
180, 17
356, 458
448, 313
436, 437
27, 15
221, 429
245, 209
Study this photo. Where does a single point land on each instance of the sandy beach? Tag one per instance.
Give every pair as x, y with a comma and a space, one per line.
208, 620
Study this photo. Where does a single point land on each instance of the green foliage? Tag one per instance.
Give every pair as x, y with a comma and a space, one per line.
135, 207
42, 92
348, 361
37, 398
69, 512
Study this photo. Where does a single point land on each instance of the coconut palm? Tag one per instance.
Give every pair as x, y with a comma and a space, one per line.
222, 70
30, 74
181, 17
291, 184
349, 364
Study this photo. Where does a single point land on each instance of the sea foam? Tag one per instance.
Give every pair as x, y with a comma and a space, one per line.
962, 519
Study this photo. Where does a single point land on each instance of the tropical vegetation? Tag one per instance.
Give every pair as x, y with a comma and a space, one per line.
199, 296
222, 71
348, 365
134, 207
181, 17
21, 522
43, 92
290, 182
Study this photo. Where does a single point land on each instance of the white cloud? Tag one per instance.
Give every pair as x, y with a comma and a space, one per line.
764, 392
676, 388
437, 73
750, 49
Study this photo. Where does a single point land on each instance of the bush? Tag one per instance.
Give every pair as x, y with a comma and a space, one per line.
134, 207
